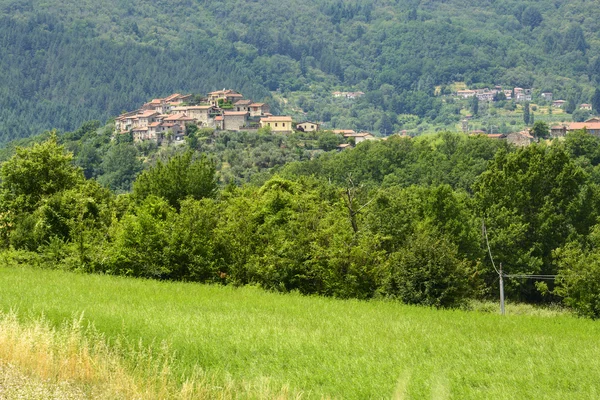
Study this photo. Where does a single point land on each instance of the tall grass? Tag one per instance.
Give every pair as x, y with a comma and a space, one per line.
245, 343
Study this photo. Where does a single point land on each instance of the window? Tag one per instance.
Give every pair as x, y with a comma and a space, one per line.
283, 124
275, 123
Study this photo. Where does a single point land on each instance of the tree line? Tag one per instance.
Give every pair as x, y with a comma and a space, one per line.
399, 219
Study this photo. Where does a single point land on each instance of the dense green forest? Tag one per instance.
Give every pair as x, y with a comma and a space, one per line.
400, 218
66, 63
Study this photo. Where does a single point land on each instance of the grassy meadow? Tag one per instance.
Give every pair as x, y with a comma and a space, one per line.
198, 341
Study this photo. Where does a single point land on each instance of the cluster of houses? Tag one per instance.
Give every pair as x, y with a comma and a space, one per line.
223, 109
520, 95
487, 94
169, 118
523, 138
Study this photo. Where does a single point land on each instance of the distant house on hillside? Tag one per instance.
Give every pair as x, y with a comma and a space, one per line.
593, 128
585, 106
558, 103
558, 131
228, 95
547, 96
277, 123
487, 96
359, 137
308, 126
466, 93
343, 131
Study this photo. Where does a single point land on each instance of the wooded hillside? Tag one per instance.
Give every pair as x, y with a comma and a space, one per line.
65, 63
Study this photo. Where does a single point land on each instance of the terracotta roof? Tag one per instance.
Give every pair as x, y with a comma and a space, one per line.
496, 135
199, 107
257, 104
236, 113
140, 129
154, 124
308, 122
219, 118
587, 125
277, 118
147, 114
172, 97
174, 117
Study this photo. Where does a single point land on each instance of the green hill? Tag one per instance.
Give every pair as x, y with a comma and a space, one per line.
65, 63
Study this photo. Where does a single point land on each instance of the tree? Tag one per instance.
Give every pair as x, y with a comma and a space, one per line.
578, 280
181, 176
540, 130
474, 105
36, 172
526, 113
532, 202
329, 141
596, 100
120, 166
531, 17
429, 271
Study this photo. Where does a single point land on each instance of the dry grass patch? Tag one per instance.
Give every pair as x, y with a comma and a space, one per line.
76, 362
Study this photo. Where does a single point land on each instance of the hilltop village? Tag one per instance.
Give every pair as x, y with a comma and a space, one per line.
167, 119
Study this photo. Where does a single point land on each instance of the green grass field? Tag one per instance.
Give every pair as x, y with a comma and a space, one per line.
324, 347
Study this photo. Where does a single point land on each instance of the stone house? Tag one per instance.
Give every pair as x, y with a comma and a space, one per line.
201, 114
259, 109
522, 138
547, 96
242, 105
235, 120
558, 131
146, 118
228, 95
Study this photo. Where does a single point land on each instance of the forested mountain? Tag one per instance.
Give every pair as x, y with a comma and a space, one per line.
64, 63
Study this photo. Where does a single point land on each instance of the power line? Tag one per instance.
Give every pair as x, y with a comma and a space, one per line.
488, 246
532, 276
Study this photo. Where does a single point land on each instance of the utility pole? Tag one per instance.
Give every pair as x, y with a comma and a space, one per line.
501, 291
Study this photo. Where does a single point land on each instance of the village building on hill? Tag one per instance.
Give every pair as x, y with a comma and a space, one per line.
277, 123
168, 118
308, 126
359, 137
